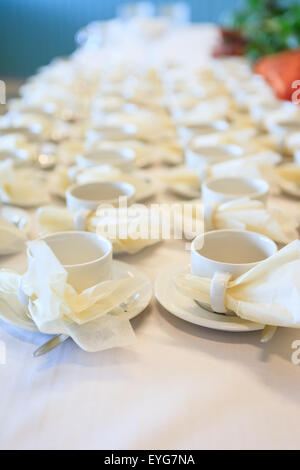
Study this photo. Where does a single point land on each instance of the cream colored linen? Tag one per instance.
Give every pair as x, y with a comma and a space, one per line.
268, 294
20, 187
241, 214
128, 231
93, 318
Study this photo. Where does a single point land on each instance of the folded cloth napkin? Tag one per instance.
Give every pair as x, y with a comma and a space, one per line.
12, 239
20, 187
260, 165
205, 111
289, 172
291, 142
93, 317
18, 146
129, 230
36, 123
236, 135
241, 214
288, 178
268, 294
181, 175
251, 215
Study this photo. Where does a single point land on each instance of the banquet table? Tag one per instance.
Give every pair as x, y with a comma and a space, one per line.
180, 386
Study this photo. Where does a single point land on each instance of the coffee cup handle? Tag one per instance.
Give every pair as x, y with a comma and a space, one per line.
218, 288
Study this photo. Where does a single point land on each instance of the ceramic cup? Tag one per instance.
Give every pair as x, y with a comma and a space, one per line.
86, 257
89, 196
123, 159
219, 190
186, 133
201, 157
221, 255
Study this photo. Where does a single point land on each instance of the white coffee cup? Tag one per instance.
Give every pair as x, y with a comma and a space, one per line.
201, 157
216, 191
87, 257
221, 255
186, 133
89, 196
123, 159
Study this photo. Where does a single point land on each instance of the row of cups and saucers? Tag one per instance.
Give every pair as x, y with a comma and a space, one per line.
216, 257
228, 251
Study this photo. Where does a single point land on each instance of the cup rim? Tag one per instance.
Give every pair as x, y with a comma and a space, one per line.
129, 187
257, 192
261, 236
85, 234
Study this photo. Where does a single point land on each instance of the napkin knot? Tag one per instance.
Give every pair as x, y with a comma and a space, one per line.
218, 288
80, 219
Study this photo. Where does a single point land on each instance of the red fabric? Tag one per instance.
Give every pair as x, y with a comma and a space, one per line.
281, 71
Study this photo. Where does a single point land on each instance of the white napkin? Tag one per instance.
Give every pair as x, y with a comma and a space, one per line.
268, 294
288, 178
259, 165
290, 173
93, 317
12, 239
36, 123
241, 214
291, 142
251, 215
20, 187
236, 135
181, 175
207, 110
128, 231
18, 146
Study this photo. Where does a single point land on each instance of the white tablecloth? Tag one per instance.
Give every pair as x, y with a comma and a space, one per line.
180, 387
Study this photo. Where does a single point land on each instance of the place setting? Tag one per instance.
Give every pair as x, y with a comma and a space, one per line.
74, 289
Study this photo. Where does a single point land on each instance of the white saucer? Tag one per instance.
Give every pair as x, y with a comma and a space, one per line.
146, 186
18, 217
29, 204
120, 270
187, 309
